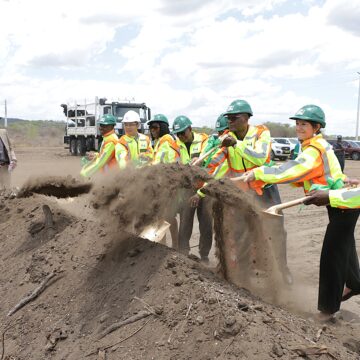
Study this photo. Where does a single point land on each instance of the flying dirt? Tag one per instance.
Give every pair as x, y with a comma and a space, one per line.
114, 295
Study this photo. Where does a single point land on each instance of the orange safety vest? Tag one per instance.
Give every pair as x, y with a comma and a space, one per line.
330, 165
230, 163
108, 138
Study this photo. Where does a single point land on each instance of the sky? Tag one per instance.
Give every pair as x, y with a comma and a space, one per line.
184, 57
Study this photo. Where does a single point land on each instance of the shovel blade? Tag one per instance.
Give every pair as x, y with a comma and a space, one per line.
155, 232
271, 213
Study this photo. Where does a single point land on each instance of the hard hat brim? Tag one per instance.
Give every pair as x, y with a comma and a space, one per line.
237, 112
106, 123
305, 118
180, 130
159, 121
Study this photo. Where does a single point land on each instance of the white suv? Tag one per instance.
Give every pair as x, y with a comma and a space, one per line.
280, 148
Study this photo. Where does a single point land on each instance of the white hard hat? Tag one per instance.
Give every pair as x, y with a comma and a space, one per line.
131, 116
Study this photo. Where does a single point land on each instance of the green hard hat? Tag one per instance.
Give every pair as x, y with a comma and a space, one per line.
221, 123
311, 113
181, 123
107, 119
239, 106
159, 118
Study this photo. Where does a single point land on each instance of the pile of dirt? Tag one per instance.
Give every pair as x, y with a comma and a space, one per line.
115, 296
60, 187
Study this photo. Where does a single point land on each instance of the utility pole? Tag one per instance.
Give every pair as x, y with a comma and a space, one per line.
5, 118
358, 111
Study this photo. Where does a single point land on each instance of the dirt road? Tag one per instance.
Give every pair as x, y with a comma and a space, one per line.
305, 227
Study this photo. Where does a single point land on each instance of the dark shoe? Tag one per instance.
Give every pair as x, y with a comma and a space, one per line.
350, 294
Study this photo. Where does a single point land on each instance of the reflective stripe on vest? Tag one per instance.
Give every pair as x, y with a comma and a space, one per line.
112, 138
196, 147
331, 166
135, 145
315, 165
239, 165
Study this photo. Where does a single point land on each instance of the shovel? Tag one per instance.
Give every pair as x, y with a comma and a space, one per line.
154, 232
274, 210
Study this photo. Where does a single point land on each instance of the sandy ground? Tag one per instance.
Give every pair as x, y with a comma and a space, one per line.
305, 226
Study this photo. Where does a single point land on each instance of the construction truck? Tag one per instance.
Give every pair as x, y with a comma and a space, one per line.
82, 130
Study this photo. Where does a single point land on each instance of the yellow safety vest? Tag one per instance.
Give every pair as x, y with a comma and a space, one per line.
317, 164
345, 198
105, 158
196, 147
130, 148
166, 150
247, 154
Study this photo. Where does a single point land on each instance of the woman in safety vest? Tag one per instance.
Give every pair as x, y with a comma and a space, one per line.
317, 168
165, 148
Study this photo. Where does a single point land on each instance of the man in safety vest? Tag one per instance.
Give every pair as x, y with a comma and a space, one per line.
133, 147
191, 144
247, 147
105, 158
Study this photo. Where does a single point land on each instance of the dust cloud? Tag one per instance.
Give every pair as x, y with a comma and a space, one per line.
130, 200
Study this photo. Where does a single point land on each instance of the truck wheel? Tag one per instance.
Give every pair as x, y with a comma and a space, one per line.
355, 156
80, 147
73, 149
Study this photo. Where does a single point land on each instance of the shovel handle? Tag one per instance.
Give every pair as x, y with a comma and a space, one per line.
286, 205
201, 158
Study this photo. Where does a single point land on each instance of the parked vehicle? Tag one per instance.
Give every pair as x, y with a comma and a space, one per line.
82, 130
352, 151
294, 142
287, 141
354, 143
280, 148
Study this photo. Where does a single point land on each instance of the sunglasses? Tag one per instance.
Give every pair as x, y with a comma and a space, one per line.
234, 117
154, 127
181, 133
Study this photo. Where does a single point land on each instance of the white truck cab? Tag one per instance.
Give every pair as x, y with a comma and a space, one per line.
82, 130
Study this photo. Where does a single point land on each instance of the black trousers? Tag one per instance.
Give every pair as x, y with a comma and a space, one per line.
339, 264
204, 215
341, 159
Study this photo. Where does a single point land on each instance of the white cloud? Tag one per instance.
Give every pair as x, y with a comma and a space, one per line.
345, 14
191, 57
